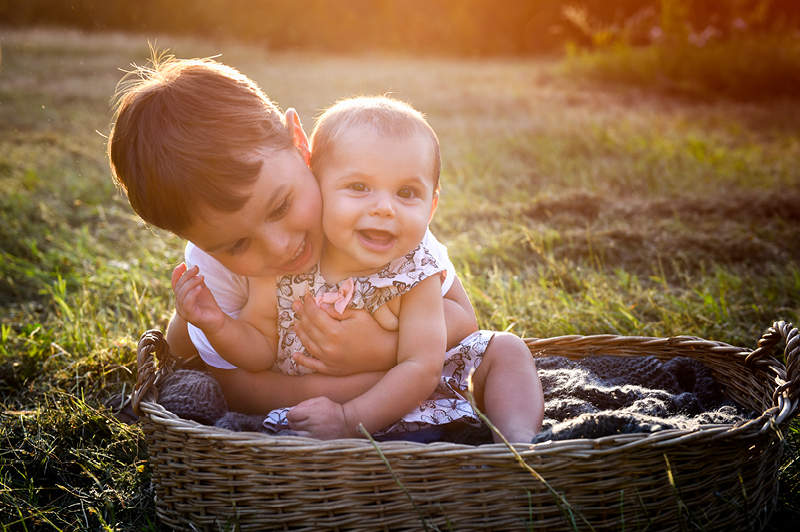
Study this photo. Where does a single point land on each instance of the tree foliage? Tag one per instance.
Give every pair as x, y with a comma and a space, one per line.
460, 27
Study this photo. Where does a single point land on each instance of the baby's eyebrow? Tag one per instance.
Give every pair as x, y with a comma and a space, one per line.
418, 180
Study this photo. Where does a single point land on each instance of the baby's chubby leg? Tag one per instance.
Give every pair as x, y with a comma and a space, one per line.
508, 390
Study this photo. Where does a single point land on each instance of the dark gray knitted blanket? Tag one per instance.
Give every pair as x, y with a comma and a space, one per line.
605, 395
594, 397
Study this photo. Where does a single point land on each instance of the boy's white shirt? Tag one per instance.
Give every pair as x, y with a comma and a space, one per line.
231, 291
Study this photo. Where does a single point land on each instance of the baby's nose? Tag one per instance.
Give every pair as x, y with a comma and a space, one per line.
383, 206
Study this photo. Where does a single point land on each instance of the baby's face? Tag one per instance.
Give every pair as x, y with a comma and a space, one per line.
378, 198
279, 229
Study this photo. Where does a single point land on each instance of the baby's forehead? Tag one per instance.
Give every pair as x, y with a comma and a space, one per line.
411, 144
346, 138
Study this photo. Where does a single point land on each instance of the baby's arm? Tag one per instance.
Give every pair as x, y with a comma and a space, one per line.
422, 339
458, 314
248, 342
180, 343
338, 341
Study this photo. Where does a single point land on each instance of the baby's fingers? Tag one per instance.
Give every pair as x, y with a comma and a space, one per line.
188, 293
191, 291
298, 413
187, 285
300, 422
179, 270
182, 275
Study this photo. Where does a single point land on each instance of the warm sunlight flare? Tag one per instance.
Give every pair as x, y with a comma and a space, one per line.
461, 27
592, 214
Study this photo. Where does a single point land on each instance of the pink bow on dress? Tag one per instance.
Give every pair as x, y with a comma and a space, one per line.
339, 299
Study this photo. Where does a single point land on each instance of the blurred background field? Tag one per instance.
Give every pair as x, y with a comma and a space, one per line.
625, 171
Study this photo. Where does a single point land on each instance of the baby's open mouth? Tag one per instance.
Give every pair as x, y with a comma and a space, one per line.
376, 236
376, 240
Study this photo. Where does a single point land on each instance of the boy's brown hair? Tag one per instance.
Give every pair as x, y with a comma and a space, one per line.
188, 135
382, 115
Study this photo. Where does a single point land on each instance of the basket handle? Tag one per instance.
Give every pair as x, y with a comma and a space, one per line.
152, 346
781, 330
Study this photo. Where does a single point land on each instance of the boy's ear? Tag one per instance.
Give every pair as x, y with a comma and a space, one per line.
434, 204
298, 135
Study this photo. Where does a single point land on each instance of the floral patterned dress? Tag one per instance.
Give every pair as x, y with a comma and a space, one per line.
447, 404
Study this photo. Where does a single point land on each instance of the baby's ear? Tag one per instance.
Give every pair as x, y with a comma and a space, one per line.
434, 204
298, 135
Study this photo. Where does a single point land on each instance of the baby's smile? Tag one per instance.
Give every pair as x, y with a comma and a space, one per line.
376, 239
377, 235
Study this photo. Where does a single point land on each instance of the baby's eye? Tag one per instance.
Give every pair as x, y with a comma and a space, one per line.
239, 246
358, 187
407, 193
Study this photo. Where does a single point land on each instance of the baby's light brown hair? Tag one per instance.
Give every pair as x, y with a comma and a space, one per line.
382, 115
190, 134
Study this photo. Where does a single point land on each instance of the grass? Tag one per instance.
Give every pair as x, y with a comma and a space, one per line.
748, 67
570, 205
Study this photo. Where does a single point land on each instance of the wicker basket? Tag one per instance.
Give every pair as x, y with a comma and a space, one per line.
722, 477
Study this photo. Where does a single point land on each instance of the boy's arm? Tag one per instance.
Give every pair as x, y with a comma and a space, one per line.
258, 392
420, 357
354, 342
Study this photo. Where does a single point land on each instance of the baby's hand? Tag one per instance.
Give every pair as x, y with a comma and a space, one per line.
318, 418
194, 302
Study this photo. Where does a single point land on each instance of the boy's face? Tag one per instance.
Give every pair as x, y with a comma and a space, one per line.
279, 229
378, 197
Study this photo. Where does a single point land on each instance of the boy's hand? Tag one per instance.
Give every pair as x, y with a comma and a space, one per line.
194, 302
343, 344
319, 418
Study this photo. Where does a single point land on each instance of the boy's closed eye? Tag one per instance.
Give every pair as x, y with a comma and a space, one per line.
239, 246
280, 210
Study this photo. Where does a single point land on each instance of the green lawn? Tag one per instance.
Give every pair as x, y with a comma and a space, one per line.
569, 205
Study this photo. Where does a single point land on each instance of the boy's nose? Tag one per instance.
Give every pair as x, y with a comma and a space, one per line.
275, 242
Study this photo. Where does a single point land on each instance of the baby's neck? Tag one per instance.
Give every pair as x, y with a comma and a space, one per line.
335, 266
